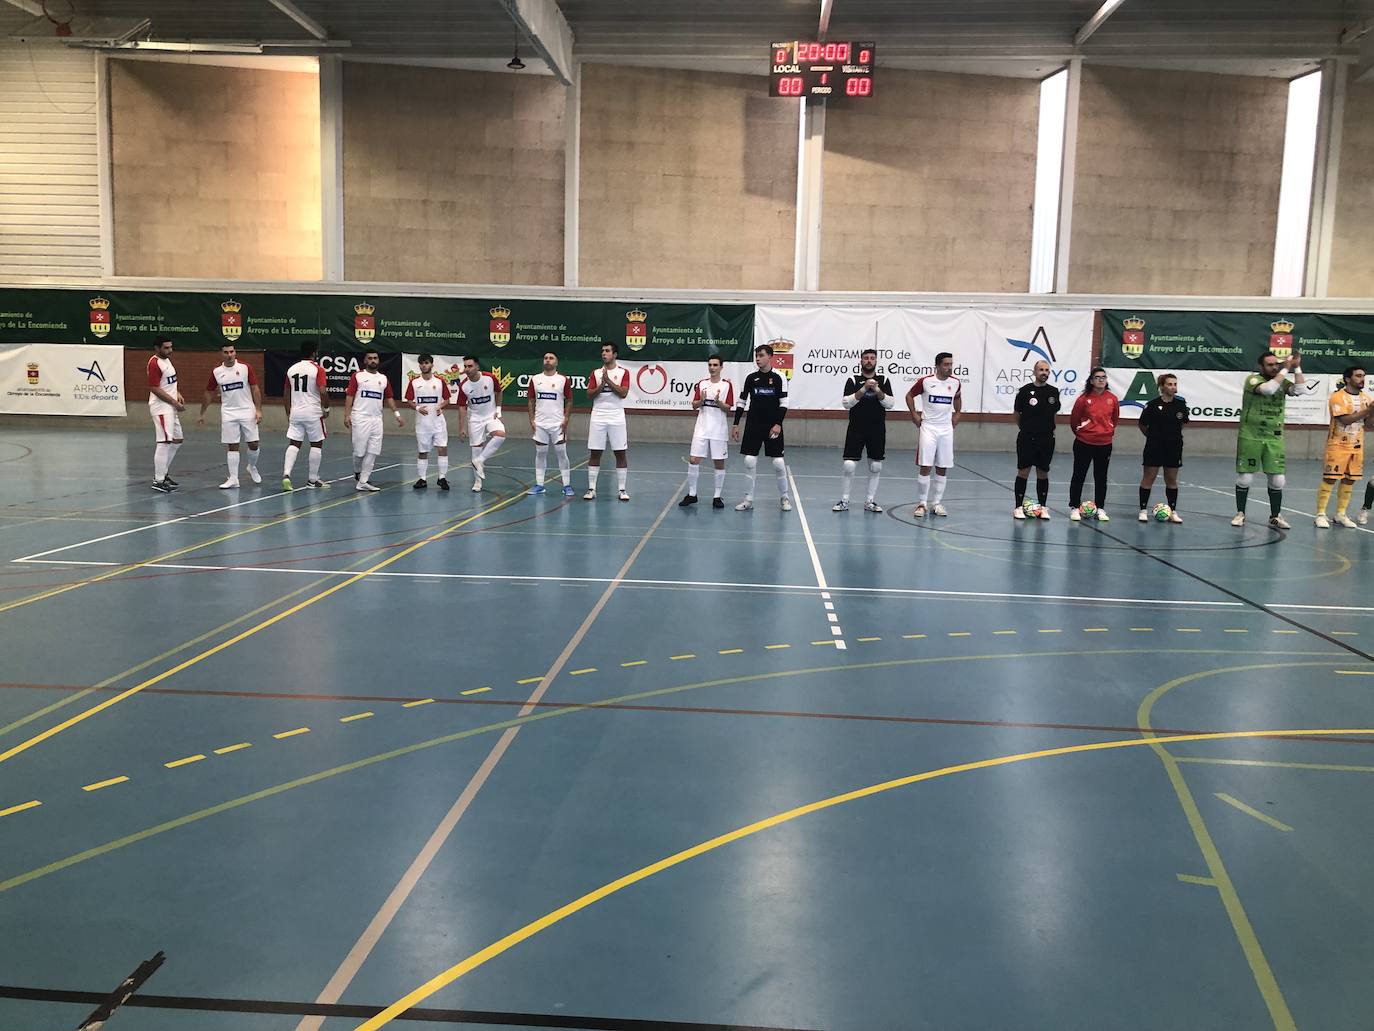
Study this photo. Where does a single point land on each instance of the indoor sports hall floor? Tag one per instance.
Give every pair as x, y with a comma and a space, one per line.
537, 762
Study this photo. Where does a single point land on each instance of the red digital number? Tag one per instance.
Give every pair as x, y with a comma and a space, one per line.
842, 52
865, 56
780, 57
859, 87
790, 86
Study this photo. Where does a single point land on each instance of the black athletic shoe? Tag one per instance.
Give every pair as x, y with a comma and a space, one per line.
170, 482
717, 503
689, 500
420, 484
443, 483
356, 477
162, 487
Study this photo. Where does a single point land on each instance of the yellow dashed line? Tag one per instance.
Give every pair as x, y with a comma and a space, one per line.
1049, 631
1344, 633
637, 662
1283, 631
291, 733
475, 690
960, 633
822, 642
912, 637
104, 783
184, 762
1356, 672
1188, 630
579, 672
530, 680
1235, 630
1094, 629
356, 716
867, 639
233, 748
730, 651
689, 655
998, 632
20, 808
1143, 630
771, 647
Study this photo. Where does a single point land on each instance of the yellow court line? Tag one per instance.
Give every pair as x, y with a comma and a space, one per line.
356, 716
291, 733
735, 651
960, 633
831, 641
579, 672
105, 783
1049, 631
532, 928
772, 647
1275, 764
1356, 672
1188, 630
474, 690
907, 637
184, 762
1188, 878
689, 655
257, 628
1000, 632
530, 680
1235, 630
418, 701
1143, 629
20, 808
1283, 631
233, 748
1345, 633
636, 662
1094, 629
1251, 811
865, 640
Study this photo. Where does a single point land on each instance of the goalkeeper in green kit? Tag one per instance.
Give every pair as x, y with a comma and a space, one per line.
1259, 446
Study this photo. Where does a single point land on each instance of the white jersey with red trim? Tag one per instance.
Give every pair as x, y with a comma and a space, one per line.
716, 399
607, 405
550, 392
235, 385
161, 373
482, 399
427, 393
307, 387
368, 390
937, 400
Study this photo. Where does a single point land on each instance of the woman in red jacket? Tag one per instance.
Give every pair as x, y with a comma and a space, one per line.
1093, 421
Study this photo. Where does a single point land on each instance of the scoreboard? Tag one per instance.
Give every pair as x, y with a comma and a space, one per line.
831, 69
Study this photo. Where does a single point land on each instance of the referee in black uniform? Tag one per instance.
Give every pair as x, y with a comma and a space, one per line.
1036, 405
765, 393
868, 397
1162, 422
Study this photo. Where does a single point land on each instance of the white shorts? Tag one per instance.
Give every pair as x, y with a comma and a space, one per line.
367, 436
238, 428
479, 432
306, 427
427, 440
166, 425
937, 448
713, 449
602, 434
547, 434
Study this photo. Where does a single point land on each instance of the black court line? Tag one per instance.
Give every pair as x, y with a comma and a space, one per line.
437, 1016
1198, 577
122, 994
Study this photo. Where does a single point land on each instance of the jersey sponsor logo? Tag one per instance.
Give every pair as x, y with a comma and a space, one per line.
546, 395
427, 399
233, 384
940, 399
375, 395
169, 380
479, 400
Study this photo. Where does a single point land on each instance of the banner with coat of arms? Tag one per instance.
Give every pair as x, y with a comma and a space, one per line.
60, 379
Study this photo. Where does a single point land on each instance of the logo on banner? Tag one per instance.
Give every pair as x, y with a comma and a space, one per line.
364, 322
651, 379
231, 319
636, 329
782, 355
503, 379
1133, 337
93, 373
500, 325
1033, 345
1281, 340
100, 316
32, 370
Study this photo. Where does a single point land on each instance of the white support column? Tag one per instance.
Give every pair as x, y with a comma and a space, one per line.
806, 266
331, 170
572, 177
1321, 224
1067, 174
103, 158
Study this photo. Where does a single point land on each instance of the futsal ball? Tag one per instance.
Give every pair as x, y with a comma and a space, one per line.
1087, 510
1162, 512
1031, 509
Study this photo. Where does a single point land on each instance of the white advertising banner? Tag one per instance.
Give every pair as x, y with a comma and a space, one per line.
61, 379
1215, 396
994, 352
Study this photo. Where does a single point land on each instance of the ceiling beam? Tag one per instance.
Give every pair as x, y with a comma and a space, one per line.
543, 23
302, 19
1094, 23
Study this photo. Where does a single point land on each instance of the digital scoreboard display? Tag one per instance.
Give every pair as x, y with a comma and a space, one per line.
835, 69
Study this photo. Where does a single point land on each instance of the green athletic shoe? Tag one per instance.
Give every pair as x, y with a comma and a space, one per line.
286, 483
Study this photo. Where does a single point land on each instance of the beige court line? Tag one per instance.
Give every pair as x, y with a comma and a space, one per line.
1275, 764
1251, 811
1188, 878
367, 941
1356, 672
105, 783
291, 733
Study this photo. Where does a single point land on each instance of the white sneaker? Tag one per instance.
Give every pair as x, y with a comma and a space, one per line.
872, 506
840, 506
229, 484
785, 503
744, 506
254, 475
1102, 516
1344, 520
590, 495
477, 486
1144, 517
1238, 519
1044, 512
1174, 517
1278, 522
1018, 512
623, 495
919, 511
939, 509
1363, 517
478, 466
369, 488
1074, 517
1322, 522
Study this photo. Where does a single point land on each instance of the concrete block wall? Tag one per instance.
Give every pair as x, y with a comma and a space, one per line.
1177, 182
930, 185
688, 180
1352, 246
216, 171
452, 176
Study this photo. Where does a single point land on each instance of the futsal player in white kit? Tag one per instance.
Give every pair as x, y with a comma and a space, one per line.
306, 396
608, 387
164, 405
428, 395
367, 390
712, 397
941, 403
479, 416
240, 412
550, 408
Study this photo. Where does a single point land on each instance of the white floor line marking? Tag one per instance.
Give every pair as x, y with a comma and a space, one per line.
815, 561
1285, 508
169, 522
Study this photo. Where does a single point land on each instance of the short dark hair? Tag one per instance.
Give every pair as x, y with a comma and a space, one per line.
227, 343
1264, 355
942, 356
1350, 370
614, 349
474, 359
764, 349
869, 350
425, 358
372, 350
714, 358
160, 341
309, 348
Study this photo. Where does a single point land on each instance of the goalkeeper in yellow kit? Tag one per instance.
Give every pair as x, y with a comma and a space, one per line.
1343, 462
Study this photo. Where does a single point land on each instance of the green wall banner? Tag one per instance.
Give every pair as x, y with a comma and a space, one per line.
497, 329
1233, 341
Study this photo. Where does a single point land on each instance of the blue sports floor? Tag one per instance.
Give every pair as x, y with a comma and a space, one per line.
544, 763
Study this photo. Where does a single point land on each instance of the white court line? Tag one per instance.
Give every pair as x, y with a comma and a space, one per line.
179, 519
816, 563
1286, 508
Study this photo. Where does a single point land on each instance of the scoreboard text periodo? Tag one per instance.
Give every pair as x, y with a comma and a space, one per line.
833, 69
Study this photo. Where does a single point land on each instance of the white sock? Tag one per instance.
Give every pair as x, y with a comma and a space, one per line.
476, 452
313, 462
593, 471
233, 458
922, 488
564, 469
492, 446
160, 462
622, 476
720, 481
751, 470
875, 470
693, 471
421, 467
253, 457
780, 467
365, 467
938, 494
847, 480
172, 450
541, 463
292, 450
443, 467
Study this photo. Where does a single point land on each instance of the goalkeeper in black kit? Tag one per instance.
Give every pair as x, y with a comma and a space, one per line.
1036, 405
764, 393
